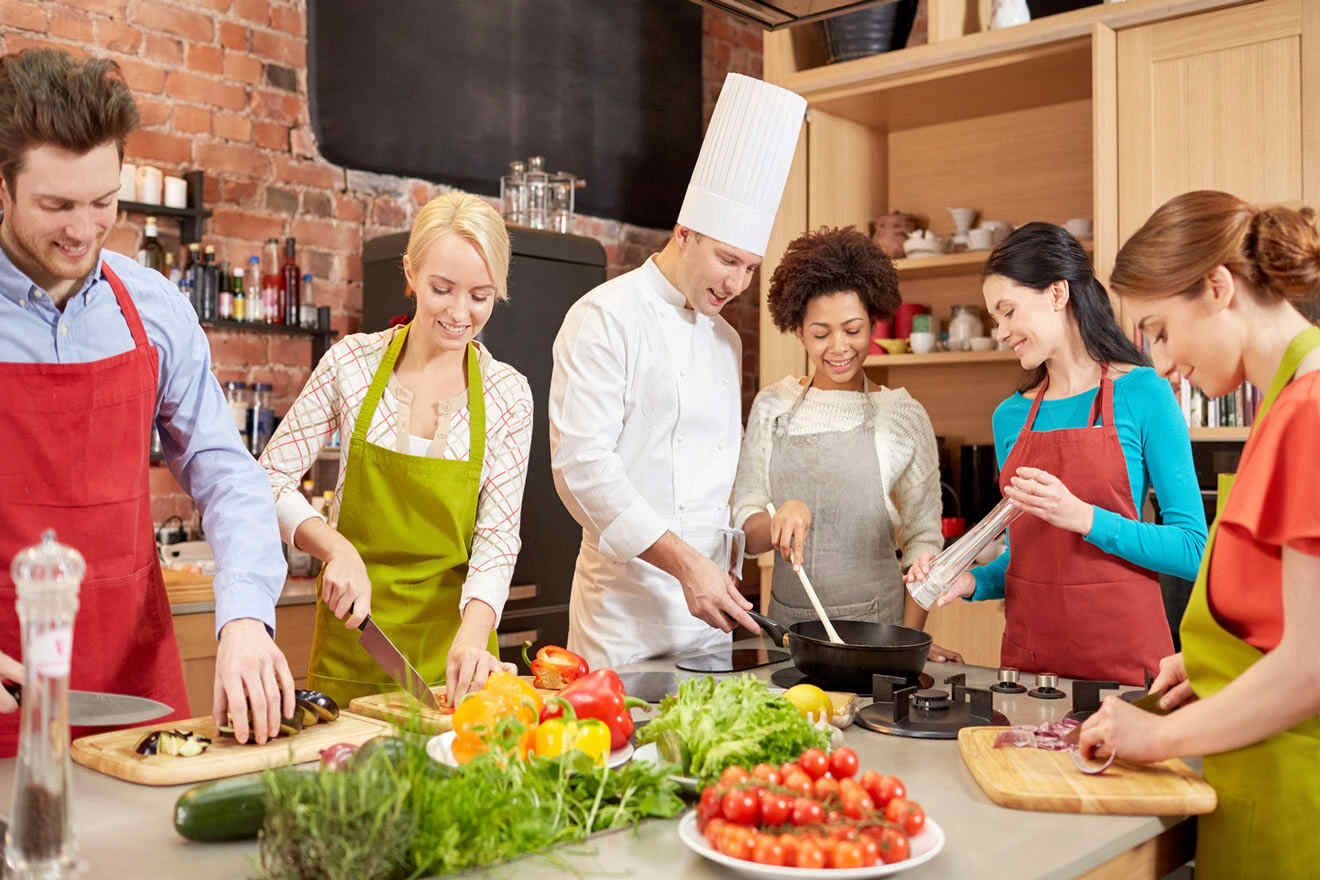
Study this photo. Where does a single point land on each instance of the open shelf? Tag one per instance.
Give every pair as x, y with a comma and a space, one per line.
320, 338
961, 263
1221, 435
940, 358
190, 219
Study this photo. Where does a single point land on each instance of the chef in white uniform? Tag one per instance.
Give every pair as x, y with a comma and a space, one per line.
645, 403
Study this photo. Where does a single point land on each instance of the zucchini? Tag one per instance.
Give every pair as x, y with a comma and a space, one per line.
226, 809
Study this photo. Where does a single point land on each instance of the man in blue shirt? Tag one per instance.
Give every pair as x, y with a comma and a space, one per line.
94, 349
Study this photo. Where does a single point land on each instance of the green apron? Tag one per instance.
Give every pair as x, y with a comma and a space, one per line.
411, 518
1269, 792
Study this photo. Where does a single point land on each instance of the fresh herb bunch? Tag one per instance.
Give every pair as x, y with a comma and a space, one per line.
400, 815
733, 721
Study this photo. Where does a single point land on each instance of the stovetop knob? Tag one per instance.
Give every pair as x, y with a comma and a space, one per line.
1009, 682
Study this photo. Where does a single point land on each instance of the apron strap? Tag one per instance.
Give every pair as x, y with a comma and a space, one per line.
1104, 400
1297, 350
131, 316
378, 383
476, 410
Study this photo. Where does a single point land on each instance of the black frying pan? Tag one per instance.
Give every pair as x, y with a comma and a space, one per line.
870, 649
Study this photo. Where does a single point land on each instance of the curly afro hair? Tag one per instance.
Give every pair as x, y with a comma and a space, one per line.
832, 261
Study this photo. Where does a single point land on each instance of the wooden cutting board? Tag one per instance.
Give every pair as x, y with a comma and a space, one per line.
400, 708
112, 753
1037, 779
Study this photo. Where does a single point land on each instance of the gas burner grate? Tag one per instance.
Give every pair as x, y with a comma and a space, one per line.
790, 675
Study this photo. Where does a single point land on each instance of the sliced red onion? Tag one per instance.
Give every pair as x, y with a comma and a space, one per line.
1017, 737
1091, 768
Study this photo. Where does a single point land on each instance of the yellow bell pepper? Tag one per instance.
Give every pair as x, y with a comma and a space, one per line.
555, 737
508, 684
478, 714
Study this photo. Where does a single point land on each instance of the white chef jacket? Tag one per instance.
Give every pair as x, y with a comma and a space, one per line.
645, 428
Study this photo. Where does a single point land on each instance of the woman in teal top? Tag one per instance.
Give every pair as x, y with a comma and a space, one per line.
1090, 430
1158, 453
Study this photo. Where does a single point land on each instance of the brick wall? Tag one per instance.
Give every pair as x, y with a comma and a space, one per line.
222, 86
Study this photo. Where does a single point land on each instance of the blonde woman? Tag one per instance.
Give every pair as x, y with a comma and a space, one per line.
423, 532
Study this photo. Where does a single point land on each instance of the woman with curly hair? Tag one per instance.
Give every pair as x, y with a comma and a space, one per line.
851, 467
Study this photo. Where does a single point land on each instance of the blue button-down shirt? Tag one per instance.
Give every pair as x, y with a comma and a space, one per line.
197, 431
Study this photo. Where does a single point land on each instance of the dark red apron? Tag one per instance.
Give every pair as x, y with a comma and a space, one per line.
1071, 607
74, 441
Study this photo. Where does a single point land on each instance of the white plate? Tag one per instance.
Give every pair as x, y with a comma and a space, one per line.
924, 847
651, 754
438, 747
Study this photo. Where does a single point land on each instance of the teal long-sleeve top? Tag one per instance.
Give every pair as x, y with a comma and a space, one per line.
1158, 452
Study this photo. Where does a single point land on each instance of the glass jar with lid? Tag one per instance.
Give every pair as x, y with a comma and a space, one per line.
236, 397
538, 193
513, 194
261, 417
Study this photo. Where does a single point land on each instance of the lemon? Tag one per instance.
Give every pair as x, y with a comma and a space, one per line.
810, 700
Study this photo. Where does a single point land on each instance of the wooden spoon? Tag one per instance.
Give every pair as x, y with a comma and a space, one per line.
811, 594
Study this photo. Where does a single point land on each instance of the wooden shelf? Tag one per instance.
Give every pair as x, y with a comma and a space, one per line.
961, 263
190, 219
1220, 435
993, 63
940, 358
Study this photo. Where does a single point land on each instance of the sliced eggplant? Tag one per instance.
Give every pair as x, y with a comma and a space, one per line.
288, 726
181, 743
325, 708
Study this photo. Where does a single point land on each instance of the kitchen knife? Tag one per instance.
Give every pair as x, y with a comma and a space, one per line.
382, 650
1148, 703
95, 709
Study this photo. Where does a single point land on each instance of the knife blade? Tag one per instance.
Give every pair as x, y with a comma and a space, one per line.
382, 650
96, 709
1147, 703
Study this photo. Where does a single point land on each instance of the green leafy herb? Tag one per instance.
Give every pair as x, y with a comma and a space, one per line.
400, 815
733, 721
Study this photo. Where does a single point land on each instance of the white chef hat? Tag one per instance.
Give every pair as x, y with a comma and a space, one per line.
740, 174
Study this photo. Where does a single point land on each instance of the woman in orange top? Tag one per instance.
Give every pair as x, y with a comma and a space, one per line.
1213, 282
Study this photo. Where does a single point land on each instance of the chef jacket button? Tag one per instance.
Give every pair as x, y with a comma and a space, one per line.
64, 331
22, 302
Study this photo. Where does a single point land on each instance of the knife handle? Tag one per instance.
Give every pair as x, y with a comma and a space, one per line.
15, 690
363, 625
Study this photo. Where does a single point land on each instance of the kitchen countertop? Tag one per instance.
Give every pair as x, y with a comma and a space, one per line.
126, 830
197, 598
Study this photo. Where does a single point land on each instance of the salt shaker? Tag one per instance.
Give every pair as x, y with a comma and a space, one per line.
39, 841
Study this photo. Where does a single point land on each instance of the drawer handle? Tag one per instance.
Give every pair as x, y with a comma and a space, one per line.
526, 591
514, 639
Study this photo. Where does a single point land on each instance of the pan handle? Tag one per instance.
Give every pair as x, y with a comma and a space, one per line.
777, 633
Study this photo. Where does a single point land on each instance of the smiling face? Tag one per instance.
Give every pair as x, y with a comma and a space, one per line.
1033, 323
710, 273
59, 211
836, 332
1195, 337
454, 291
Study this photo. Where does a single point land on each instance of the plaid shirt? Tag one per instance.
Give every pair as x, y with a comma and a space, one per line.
331, 401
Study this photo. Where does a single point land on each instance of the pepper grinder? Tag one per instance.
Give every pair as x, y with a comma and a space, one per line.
39, 841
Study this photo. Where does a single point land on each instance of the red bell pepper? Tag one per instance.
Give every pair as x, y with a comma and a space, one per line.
599, 695
554, 667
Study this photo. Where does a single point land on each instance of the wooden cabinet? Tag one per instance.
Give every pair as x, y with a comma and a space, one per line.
197, 649
1215, 101
1103, 112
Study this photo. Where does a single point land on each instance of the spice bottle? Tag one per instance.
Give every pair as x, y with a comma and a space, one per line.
39, 840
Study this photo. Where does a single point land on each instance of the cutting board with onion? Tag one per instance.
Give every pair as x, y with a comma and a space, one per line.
1038, 779
114, 752
399, 707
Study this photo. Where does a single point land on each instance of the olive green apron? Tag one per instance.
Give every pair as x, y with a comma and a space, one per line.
1269, 793
411, 518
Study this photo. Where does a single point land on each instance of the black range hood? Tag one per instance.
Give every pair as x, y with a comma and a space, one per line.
775, 14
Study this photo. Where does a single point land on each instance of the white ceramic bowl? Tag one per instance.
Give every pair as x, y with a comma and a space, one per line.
981, 343
922, 343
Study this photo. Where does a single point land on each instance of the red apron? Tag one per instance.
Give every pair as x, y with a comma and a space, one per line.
74, 441
1071, 607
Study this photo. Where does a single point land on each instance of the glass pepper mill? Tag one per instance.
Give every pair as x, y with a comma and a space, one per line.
39, 841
